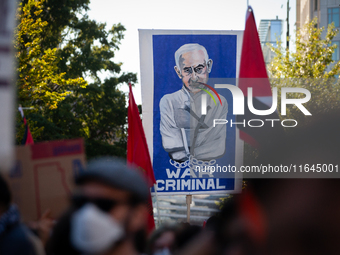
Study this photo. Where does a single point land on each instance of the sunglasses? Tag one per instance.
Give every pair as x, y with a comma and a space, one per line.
104, 204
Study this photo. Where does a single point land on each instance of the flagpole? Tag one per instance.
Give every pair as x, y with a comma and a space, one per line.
287, 35
157, 206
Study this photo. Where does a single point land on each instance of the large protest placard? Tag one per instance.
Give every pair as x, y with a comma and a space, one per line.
182, 106
42, 177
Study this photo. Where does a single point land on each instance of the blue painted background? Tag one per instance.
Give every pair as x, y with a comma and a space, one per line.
222, 50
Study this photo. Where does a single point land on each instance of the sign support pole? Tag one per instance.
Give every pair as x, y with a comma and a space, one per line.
158, 213
189, 201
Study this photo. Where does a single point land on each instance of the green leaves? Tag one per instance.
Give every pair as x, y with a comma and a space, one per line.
40, 83
312, 57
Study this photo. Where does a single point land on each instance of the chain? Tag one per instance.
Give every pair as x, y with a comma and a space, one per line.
177, 164
192, 163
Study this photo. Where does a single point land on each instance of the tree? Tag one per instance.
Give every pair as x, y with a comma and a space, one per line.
311, 67
84, 48
39, 83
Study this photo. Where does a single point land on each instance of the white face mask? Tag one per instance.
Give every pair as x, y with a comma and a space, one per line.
94, 231
164, 251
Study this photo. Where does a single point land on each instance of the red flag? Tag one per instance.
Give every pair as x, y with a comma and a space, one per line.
253, 74
27, 139
138, 152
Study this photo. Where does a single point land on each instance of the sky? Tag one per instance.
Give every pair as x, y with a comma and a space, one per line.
180, 14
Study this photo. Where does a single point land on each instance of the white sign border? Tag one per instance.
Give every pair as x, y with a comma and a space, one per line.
147, 89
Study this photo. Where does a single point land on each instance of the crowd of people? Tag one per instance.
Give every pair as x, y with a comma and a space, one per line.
108, 208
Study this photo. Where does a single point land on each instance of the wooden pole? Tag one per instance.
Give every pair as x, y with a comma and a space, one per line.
157, 206
189, 201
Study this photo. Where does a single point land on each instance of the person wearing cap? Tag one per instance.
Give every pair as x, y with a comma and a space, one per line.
107, 214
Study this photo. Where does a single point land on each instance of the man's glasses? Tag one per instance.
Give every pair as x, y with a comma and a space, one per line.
198, 69
104, 204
